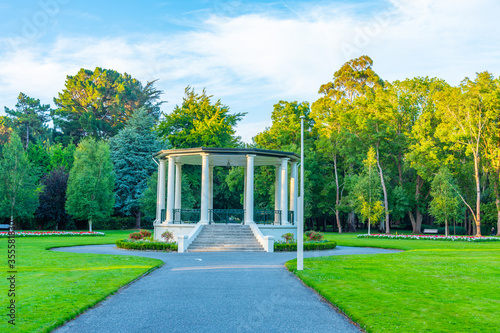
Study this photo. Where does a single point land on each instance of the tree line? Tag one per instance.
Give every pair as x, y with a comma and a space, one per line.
402, 154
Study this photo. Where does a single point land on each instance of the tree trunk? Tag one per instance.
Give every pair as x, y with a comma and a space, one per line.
337, 217
369, 222
324, 224
138, 220
351, 222
386, 200
90, 225
446, 227
478, 196
337, 194
416, 221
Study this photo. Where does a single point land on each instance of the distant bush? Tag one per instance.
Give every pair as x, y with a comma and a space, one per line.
121, 223
146, 245
458, 230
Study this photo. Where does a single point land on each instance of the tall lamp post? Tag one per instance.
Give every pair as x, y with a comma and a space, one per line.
300, 220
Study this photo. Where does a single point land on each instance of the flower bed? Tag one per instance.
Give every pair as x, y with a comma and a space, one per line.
308, 246
435, 238
146, 245
51, 233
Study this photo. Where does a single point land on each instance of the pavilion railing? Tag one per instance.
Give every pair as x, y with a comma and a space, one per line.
226, 215
187, 215
267, 216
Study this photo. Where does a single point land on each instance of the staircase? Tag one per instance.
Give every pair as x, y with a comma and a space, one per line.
225, 238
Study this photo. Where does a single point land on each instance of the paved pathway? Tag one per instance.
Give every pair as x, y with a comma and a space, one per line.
214, 292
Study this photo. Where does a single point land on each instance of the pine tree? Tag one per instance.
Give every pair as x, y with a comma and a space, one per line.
91, 182
131, 153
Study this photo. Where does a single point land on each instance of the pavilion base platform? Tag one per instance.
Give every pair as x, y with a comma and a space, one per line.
186, 234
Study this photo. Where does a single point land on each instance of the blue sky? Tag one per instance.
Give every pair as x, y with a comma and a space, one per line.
249, 54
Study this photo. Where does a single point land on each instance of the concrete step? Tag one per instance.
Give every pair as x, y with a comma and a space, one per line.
221, 238
209, 243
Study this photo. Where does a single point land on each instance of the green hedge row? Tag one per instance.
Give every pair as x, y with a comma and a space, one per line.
308, 246
141, 245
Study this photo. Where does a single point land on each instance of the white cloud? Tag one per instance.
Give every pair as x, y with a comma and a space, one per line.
252, 61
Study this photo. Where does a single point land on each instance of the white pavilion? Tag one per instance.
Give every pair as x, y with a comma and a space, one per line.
186, 224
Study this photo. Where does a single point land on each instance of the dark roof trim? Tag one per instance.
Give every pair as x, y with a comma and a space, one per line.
228, 151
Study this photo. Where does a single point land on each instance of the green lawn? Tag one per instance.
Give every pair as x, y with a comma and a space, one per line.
53, 287
434, 286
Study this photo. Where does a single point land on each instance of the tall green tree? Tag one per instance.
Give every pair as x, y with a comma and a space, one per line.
98, 103
445, 204
30, 118
284, 134
422, 151
199, 122
467, 112
18, 184
131, 153
91, 182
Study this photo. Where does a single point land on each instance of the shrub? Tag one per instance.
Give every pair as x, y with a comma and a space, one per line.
312, 246
314, 236
145, 233
288, 237
168, 236
142, 245
135, 235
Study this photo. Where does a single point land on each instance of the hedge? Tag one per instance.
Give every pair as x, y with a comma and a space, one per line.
308, 246
141, 245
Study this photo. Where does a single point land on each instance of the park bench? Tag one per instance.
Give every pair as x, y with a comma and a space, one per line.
4, 226
430, 231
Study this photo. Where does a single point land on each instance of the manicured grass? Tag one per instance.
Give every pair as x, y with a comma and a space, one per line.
53, 287
431, 287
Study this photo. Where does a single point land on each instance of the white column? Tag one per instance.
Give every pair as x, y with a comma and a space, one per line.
204, 188
178, 190
245, 187
249, 190
170, 190
210, 189
284, 190
160, 192
294, 186
277, 194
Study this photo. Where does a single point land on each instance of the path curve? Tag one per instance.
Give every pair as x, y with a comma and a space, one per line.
214, 292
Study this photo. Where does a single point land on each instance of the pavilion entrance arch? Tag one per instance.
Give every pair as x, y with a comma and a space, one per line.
170, 214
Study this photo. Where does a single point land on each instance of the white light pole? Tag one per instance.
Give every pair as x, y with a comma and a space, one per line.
300, 219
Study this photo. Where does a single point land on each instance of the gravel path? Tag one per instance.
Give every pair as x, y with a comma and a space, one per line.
214, 292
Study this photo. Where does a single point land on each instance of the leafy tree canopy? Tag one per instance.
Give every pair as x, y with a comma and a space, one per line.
51, 211
98, 103
199, 122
